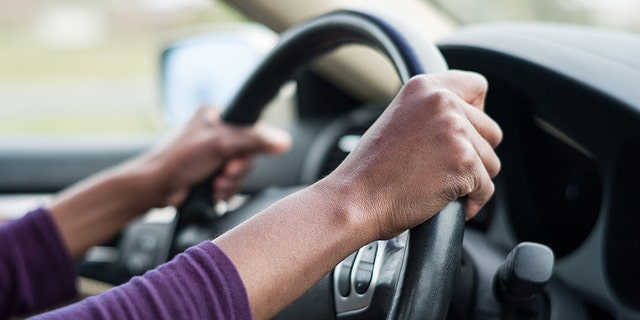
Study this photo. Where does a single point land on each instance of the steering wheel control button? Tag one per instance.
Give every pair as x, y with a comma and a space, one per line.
344, 275
368, 253
363, 277
524, 273
355, 278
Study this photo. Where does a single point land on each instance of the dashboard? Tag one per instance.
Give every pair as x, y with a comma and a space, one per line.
567, 100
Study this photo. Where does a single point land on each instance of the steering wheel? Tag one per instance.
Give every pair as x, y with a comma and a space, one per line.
426, 276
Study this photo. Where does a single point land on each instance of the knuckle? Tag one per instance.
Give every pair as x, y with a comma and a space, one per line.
428, 87
418, 83
481, 82
463, 187
416, 86
452, 125
440, 99
464, 166
465, 161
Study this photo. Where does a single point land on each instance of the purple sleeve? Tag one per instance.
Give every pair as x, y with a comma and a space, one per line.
201, 283
36, 271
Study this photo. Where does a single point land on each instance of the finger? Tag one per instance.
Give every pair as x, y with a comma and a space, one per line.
483, 124
486, 127
487, 155
224, 188
257, 139
235, 140
228, 182
226, 194
237, 168
470, 86
480, 195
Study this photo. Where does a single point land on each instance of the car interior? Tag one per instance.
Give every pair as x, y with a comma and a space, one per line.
556, 241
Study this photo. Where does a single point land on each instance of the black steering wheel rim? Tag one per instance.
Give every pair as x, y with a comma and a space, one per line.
302, 44
434, 248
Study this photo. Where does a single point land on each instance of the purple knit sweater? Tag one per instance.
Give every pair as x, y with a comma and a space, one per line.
37, 272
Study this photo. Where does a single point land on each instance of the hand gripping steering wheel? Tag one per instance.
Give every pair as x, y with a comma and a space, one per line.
426, 277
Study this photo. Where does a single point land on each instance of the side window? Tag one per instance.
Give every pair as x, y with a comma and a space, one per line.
77, 67
209, 68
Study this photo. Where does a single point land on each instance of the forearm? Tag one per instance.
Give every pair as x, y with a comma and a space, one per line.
35, 270
200, 283
94, 210
287, 248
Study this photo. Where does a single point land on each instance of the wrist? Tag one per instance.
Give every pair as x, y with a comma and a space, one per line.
141, 181
93, 210
349, 204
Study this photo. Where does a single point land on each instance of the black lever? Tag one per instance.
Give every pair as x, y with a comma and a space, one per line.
199, 206
524, 273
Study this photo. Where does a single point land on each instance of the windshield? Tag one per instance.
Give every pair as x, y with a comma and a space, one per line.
611, 13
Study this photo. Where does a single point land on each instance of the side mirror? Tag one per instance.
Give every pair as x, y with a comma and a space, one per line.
209, 68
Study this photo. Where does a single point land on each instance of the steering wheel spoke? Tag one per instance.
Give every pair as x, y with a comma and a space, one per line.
365, 282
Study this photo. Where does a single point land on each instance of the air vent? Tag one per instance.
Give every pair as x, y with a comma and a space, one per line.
340, 148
